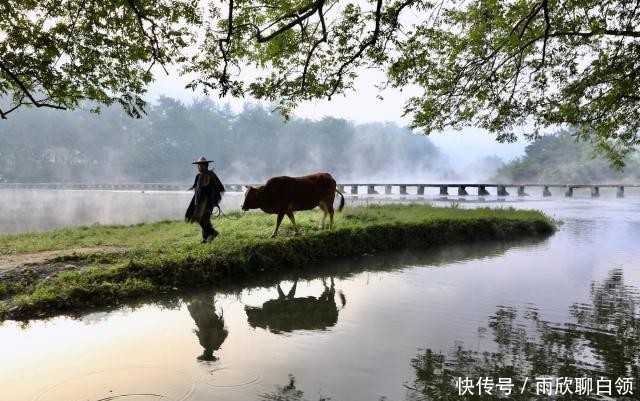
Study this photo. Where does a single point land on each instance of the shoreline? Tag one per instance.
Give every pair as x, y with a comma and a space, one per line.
140, 261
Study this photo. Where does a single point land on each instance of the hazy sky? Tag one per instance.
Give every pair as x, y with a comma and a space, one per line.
362, 105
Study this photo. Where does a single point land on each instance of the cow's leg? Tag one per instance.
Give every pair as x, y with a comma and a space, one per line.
330, 217
323, 206
292, 291
293, 220
280, 217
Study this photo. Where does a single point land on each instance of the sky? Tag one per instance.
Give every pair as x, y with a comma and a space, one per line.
363, 105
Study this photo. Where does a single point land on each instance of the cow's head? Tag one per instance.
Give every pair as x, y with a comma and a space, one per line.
250, 198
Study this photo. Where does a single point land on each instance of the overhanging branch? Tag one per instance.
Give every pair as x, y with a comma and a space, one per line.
26, 93
372, 40
315, 45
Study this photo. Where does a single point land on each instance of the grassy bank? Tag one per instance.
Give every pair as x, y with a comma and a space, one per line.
125, 262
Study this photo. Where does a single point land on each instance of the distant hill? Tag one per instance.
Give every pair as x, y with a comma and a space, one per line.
559, 158
249, 146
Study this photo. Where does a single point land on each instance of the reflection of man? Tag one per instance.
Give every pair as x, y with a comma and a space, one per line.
208, 194
210, 328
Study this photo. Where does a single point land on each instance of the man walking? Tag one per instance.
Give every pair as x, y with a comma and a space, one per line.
208, 193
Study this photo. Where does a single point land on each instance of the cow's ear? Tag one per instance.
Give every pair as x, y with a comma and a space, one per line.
248, 186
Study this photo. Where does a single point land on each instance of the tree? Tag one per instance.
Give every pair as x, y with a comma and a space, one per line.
499, 64
61, 53
495, 64
557, 158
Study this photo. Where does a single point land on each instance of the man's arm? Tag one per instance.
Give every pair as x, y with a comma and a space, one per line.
194, 183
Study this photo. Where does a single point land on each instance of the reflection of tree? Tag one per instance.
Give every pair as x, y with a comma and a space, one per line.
210, 327
603, 342
285, 393
288, 313
611, 327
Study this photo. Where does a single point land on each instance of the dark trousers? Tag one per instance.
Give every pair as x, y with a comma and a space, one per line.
205, 224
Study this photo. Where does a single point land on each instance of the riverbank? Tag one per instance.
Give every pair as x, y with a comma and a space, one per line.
47, 273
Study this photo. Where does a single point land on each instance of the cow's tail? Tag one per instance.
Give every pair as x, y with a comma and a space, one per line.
341, 201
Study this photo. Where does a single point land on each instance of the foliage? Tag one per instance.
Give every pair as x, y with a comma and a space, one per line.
559, 159
495, 64
58, 54
503, 64
153, 258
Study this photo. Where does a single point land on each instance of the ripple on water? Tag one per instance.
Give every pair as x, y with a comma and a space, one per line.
126, 384
231, 377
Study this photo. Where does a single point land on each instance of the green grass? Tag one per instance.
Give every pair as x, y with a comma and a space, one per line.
146, 259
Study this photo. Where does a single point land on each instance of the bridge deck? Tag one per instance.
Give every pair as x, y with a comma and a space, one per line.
184, 187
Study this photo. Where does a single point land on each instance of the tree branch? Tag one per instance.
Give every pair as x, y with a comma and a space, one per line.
306, 11
25, 91
315, 45
224, 52
153, 37
372, 40
605, 32
547, 29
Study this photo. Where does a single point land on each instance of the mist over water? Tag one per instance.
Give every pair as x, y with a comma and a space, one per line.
40, 210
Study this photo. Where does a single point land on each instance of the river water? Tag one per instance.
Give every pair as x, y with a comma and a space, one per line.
409, 325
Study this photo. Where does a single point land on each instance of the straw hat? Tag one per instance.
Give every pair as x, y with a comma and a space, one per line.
202, 160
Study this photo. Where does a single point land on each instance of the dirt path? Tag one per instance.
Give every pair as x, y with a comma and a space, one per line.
12, 262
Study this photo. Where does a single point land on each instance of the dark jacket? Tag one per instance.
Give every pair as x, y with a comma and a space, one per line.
208, 193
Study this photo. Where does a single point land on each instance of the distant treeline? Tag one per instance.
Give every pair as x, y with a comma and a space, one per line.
559, 158
249, 146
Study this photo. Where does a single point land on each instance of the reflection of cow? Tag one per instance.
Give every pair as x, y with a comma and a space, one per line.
288, 313
284, 195
211, 331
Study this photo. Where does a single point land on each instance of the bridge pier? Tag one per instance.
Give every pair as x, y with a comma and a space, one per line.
403, 190
595, 192
569, 192
387, 189
420, 189
444, 190
354, 190
371, 190
620, 192
502, 190
521, 191
482, 191
462, 191
546, 192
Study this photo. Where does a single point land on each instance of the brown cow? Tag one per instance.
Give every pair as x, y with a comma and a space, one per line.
284, 195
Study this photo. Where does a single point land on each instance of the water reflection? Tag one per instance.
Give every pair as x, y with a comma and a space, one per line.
210, 330
288, 392
602, 342
340, 269
386, 261
288, 313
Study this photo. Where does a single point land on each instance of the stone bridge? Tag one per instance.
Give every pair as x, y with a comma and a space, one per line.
461, 189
